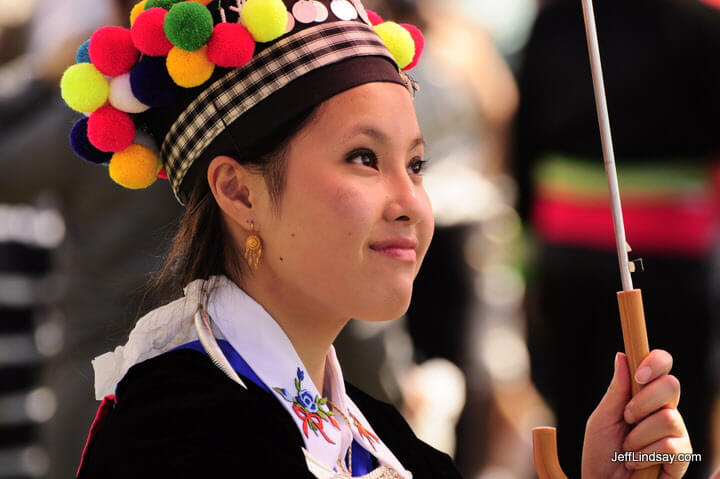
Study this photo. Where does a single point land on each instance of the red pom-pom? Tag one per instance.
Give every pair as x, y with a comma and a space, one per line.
231, 45
110, 130
148, 33
162, 174
419, 40
374, 18
112, 50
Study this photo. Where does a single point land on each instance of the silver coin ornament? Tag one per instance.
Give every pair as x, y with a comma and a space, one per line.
343, 9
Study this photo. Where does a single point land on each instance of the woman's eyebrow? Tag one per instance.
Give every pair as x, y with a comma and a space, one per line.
380, 136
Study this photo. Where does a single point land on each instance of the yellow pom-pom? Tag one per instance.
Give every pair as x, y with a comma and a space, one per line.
189, 69
135, 168
265, 19
84, 88
136, 11
398, 40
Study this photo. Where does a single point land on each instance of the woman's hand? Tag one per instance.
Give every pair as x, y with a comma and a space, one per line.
648, 422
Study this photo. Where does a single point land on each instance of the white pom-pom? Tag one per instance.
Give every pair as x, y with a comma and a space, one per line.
121, 95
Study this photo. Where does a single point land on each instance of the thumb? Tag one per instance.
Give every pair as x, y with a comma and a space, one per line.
612, 405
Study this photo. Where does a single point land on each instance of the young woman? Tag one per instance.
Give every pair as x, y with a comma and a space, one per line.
301, 171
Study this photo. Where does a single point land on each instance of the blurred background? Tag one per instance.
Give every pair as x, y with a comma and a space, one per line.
513, 322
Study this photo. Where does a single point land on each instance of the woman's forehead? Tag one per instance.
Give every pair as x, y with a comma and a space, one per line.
382, 111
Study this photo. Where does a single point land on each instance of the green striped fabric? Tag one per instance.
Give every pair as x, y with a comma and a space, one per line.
562, 175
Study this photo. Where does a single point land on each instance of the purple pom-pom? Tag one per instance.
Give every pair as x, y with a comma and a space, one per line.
151, 82
83, 148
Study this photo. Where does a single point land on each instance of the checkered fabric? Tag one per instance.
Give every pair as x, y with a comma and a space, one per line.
243, 88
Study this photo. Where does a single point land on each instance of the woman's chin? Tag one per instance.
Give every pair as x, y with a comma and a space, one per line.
391, 308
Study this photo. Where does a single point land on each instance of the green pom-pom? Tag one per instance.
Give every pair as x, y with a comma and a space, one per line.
166, 4
189, 25
84, 88
265, 19
398, 40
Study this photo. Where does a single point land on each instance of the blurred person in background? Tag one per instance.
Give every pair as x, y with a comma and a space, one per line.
114, 238
660, 61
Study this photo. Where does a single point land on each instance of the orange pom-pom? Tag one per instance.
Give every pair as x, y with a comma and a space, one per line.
136, 167
136, 11
189, 69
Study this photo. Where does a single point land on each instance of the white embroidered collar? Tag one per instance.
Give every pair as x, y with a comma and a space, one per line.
257, 337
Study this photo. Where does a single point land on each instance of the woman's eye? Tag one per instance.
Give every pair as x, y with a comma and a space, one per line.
366, 158
417, 166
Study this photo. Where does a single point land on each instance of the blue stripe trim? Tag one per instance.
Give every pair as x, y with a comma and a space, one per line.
236, 361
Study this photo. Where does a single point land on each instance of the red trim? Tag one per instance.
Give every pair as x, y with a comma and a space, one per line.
102, 413
314, 419
688, 227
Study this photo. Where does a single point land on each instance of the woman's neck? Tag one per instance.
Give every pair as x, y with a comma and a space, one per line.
310, 329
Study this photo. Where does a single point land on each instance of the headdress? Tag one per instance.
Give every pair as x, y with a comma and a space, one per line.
209, 77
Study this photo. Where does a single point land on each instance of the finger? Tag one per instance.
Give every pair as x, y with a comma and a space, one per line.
665, 422
665, 452
655, 364
663, 392
612, 405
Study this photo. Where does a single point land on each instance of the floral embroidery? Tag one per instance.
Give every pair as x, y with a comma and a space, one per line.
365, 433
312, 410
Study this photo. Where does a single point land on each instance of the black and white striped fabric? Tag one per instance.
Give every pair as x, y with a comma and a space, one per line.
243, 88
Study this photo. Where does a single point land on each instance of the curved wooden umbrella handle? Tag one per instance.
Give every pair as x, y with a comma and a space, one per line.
545, 455
632, 318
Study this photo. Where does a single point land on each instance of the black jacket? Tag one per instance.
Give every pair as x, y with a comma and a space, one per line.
177, 416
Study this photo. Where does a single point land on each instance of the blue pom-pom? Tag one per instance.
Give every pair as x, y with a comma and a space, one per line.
82, 146
83, 53
151, 82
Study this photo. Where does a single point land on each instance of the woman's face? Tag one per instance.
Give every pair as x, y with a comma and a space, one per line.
355, 221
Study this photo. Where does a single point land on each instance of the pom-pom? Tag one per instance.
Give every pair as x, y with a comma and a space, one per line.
151, 83
419, 40
231, 45
148, 33
399, 41
82, 146
110, 129
164, 4
265, 19
374, 18
121, 95
145, 139
84, 88
189, 25
83, 53
189, 69
136, 11
135, 168
112, 50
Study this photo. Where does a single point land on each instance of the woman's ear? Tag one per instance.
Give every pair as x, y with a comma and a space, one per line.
233, 187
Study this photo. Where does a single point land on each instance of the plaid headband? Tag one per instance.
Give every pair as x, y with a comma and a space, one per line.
243, 88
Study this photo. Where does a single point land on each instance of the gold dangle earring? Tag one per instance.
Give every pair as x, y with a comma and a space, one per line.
253, 248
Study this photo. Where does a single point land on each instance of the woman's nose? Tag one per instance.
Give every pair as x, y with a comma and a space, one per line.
406, 199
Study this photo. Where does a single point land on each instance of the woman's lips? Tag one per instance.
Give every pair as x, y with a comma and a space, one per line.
403, 254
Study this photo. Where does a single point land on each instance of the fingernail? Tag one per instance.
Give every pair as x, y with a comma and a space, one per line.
643, 374
629, 418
